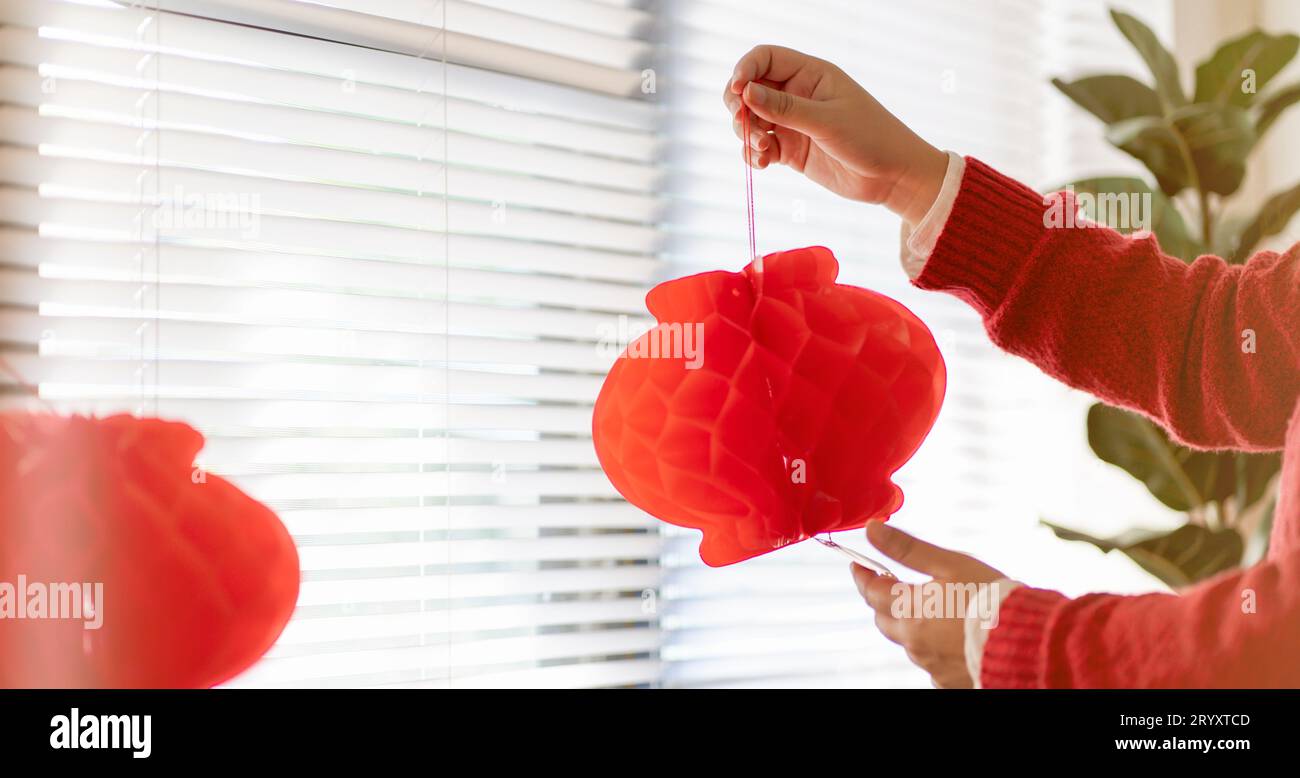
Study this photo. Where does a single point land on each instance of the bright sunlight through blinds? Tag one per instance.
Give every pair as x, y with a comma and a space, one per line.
247, 230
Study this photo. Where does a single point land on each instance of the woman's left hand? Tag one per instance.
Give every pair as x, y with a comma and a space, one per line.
935, 642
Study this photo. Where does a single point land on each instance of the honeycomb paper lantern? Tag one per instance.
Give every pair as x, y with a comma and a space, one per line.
766, 408
198, 579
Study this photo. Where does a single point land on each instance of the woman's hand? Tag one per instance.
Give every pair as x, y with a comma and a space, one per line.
936, 644
812, 117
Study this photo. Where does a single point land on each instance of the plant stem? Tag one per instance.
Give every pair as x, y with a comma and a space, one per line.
1207, 222
1243, 484
1194, 178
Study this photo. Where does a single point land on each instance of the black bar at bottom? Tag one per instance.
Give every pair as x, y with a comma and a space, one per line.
574, 729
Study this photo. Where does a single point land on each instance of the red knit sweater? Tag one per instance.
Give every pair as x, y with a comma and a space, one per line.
1115, 317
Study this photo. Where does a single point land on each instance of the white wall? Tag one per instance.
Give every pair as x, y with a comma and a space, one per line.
1279, 167
1199, 27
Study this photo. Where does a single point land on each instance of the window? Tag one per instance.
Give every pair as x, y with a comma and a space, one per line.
372, 249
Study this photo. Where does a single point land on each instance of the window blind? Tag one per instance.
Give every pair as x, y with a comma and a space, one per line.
369, 249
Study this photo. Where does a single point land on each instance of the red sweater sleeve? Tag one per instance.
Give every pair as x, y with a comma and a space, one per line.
1237, 630
1115, 317
1209, 350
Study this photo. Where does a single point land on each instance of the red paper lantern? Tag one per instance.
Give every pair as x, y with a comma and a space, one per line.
766, 416
196, 579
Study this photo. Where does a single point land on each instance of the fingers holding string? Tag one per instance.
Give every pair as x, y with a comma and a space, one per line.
757, 160
775, 64
758, 148
735, 104
759, 140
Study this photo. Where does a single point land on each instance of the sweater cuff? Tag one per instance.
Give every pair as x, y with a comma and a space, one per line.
917, 243
1015, 656
981, 619
992, 231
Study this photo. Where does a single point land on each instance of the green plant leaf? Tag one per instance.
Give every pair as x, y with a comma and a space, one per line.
1111, 98
1154, 143
1270, 108
1258, 470
1272, 218
1216, 473
1129, 538
1255, 521
1180, 477
1164, 219
1180, 558
1157, 57
1189, 554
1220, 138
1220, 78
1144, 451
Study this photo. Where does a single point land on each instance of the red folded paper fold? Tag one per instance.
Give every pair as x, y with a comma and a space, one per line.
764, 418
195, 579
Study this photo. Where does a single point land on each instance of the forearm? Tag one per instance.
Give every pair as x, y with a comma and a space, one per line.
1237, 630
1113, 316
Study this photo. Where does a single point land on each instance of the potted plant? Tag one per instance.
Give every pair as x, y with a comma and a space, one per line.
1196, 148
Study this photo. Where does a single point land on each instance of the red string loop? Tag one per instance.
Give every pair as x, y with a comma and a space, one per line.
749, 198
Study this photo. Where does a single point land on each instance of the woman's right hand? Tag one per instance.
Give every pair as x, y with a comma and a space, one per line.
809, 115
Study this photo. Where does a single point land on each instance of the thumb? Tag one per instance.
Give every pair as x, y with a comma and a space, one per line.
783, 108
917, 554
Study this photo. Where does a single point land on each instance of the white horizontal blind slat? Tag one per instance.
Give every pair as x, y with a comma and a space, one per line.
201, 38
474, 35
